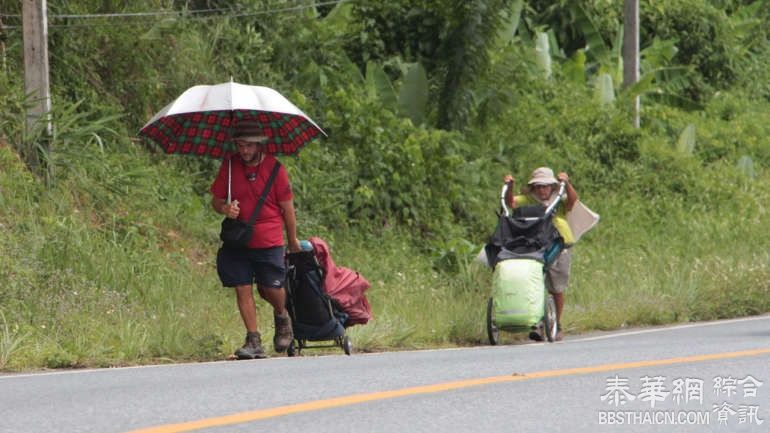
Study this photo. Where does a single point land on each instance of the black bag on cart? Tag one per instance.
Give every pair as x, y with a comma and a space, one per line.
527, 233
315, 315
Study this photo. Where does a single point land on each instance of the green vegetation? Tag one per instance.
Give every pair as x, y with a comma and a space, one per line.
108, 245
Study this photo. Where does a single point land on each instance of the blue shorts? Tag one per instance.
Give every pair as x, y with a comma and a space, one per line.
265, 266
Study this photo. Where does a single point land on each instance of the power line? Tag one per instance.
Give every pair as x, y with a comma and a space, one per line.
123, 14
181, 14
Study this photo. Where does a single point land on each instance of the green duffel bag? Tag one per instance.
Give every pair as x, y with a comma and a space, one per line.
518, 291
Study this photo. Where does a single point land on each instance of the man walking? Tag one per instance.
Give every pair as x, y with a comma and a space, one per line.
262, 260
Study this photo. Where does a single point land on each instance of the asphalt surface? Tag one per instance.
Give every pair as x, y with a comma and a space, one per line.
620, 381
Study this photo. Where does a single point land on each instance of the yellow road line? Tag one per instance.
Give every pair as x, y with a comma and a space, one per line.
243, 417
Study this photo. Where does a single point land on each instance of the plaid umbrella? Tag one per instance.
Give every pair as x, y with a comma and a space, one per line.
202, 119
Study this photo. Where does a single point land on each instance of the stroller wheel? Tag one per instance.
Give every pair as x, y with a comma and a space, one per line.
549, 320
492, 331
290, 349
346, 346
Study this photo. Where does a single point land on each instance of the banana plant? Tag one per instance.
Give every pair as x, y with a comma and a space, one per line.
511, 24
686, 142
543, 53
601, 64
413, 95
411, 99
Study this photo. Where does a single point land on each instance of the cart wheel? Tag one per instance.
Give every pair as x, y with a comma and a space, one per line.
492, 331
346, 346
550, 318
290, 349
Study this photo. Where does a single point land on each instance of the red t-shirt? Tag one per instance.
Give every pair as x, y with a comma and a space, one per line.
268, 228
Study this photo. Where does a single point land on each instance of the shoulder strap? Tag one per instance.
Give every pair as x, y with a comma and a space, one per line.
265, 191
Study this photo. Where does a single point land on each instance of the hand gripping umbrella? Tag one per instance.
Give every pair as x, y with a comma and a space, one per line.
202, 119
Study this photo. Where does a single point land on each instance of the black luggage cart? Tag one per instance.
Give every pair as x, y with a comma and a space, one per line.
315, 316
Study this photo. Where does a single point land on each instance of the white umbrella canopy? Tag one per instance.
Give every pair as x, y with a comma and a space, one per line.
201, 120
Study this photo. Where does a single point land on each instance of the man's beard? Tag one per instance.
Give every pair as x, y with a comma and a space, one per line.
255, 156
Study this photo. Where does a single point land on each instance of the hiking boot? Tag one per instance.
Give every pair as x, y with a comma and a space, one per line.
283, 333
252, 348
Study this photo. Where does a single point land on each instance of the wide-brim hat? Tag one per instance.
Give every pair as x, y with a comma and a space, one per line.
249, 131
542, 176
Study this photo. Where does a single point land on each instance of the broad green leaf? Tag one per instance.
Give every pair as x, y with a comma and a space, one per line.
605, 89
686, 142
664, 85
644, 85
379, 84
575, 67
596, 48
617, 49
553, 46
413, 95
659, 54
310, 74
350, 70
543, 53
511, 25
617, 54
339, 17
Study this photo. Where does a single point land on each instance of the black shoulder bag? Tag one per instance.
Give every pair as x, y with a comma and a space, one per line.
236, 233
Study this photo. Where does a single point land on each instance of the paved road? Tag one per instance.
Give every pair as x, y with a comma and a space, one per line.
707, 377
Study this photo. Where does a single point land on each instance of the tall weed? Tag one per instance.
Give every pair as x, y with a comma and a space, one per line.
10, 341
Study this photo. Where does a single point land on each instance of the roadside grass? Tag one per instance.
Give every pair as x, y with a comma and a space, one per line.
704, 265
123, 273
414, 306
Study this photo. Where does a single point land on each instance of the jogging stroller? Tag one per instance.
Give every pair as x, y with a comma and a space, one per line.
521, 249
322, 298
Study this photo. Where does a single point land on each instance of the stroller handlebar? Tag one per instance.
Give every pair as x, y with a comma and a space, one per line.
552, 207
548, 211
506, 211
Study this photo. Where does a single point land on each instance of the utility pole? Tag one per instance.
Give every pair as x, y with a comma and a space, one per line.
631, 51
2, 45
36, 83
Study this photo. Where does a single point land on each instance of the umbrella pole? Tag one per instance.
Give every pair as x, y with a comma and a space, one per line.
229, 177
